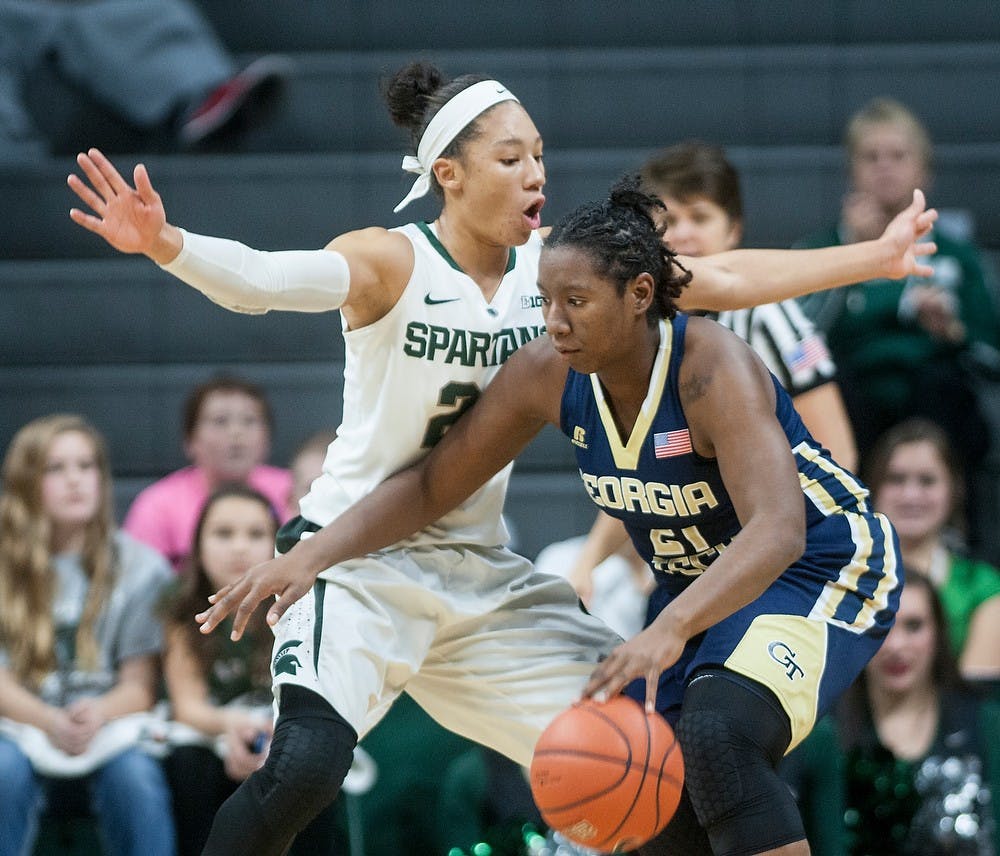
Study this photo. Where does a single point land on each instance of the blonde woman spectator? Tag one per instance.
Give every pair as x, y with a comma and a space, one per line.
78, 644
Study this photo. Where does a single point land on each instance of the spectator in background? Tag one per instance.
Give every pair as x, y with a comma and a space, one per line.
78, 644
916, 481
916, 751
227, 438
307, 464
220, 688
156, 63
701, 190
903, 347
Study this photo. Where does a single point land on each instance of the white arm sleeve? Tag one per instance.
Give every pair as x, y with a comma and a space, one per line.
252, 281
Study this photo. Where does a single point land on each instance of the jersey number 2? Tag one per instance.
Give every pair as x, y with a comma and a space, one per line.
457, 396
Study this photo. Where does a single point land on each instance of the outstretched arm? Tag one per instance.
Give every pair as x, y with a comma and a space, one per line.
741, 278
523, 396
362, 273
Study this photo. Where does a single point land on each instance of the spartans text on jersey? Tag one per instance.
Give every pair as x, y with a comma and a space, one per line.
465, 347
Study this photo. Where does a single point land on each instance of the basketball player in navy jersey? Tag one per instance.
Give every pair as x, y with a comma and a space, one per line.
775, 581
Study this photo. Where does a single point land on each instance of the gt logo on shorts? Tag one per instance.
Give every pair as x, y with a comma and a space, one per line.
286, 661
785, 656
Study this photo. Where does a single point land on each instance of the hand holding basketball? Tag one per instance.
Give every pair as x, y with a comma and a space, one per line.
607, 775
645, 656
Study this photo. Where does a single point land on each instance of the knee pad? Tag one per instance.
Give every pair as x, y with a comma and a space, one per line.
733, 733
311, 752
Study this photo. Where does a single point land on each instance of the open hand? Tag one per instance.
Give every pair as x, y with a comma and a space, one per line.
282, 577
903, 238
130, 219
645, 655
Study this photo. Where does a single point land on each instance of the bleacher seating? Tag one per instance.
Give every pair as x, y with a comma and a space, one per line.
117, 339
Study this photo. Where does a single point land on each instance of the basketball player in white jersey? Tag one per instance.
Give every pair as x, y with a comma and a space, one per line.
490, 649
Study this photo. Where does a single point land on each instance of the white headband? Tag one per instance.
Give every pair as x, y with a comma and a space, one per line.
447, 124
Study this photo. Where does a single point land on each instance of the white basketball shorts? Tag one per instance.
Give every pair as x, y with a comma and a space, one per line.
488, 647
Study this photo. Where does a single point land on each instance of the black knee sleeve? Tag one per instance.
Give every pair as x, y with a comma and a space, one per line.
683, 836
733, 732
311, 752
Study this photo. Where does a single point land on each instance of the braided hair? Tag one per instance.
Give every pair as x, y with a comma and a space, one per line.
622, 236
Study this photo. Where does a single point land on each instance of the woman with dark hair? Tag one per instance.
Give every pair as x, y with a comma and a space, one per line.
918, 752
704, 215
220, 689
916, 481
775, 582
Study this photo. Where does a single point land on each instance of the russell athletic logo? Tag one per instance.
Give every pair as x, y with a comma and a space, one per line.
286, 661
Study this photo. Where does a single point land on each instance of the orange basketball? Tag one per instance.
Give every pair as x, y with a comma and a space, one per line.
607, 776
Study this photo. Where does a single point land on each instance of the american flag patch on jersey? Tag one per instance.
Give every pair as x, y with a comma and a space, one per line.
670, 444
807, 354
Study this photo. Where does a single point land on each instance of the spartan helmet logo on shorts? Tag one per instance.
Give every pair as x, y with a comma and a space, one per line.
286, 661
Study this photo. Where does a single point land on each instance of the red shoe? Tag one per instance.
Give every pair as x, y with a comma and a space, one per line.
223, 103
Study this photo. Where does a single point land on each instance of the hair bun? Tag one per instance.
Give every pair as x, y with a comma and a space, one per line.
628, 192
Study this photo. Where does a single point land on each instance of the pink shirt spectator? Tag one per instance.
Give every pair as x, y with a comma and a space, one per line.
165, 514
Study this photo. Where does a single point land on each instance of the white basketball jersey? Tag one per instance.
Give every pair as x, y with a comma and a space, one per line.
411, 374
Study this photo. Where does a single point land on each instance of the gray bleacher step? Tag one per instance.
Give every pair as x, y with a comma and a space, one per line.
596, 98
301, 201
127, 310
592, 97
444, 24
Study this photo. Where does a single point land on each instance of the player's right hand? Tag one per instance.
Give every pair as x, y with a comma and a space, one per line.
282, 577
130, 219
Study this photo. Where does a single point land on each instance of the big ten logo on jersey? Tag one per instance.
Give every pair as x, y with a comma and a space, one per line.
456, 346
531, 301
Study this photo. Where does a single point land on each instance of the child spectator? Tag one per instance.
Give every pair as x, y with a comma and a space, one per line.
219, 688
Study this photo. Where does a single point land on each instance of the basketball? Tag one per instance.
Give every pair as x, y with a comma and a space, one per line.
607, 776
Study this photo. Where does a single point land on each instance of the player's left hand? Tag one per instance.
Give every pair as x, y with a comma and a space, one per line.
902, 238
282, 577
646, 655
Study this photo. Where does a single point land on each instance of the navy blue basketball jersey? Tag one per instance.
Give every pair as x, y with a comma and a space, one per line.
677, 510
